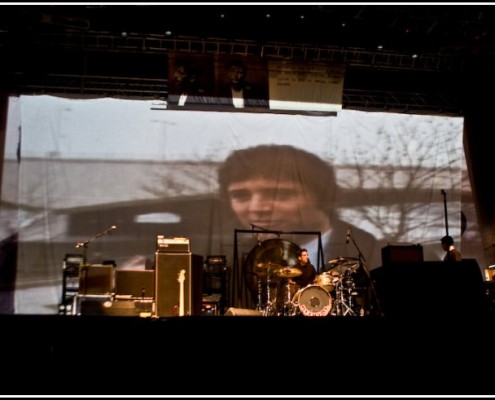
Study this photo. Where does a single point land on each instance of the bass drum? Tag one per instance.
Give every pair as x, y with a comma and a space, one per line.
313, 301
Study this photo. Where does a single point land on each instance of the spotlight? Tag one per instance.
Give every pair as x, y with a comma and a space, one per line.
124, 34
168, 33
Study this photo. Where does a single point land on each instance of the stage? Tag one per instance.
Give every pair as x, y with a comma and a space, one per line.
247, 355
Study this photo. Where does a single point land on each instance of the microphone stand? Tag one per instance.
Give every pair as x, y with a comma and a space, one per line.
85, 264
362, 263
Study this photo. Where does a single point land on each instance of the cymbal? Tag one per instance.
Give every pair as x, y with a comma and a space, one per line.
268, 265
288, 272
343, 260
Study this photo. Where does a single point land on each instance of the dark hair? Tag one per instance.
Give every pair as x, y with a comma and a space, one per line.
280, 162
300, 251
448, 240
238, 63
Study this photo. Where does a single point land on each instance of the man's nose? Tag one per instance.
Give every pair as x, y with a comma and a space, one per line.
260, 203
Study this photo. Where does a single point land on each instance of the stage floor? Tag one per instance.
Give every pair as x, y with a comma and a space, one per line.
247, 355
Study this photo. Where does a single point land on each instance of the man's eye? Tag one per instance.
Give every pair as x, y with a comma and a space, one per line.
240, 195
285, 194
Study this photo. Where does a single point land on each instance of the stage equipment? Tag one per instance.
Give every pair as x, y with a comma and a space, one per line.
243, 312
172, 244
70, 281
215, 283
108, 306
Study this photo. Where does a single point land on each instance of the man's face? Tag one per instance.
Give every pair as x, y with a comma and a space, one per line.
304, 257
281, 206
180, 74
236, 75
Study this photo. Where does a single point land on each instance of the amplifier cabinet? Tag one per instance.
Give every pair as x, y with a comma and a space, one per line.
178, 282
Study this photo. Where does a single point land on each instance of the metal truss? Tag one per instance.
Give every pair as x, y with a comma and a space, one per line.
360, 60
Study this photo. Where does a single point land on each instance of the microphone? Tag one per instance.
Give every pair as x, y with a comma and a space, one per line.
105, 232
348, 236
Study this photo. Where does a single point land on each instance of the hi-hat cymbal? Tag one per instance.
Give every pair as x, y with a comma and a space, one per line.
288, 272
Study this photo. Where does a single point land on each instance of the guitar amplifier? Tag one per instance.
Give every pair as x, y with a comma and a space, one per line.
172, 244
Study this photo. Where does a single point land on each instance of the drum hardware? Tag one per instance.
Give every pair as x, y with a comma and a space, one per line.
345, 301
287, 307
267, 308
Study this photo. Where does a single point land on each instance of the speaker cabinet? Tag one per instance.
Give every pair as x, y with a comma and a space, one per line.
178, 281
398, 254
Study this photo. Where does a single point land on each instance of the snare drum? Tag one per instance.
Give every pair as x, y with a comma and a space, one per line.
313, 301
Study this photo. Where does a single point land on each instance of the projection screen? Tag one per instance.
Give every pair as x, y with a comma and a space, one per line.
75, 167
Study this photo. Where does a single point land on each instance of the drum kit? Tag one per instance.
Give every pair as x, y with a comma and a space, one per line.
333, 292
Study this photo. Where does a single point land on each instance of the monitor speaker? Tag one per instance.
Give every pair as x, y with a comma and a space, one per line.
178, 284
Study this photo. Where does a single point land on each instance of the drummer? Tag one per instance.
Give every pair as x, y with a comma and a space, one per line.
308, 270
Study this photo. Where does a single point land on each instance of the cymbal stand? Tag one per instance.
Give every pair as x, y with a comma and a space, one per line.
259, 305
288, 308
269, 310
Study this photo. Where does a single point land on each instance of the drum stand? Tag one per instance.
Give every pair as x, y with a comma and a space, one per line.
288, 309
267, 308
341, 307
